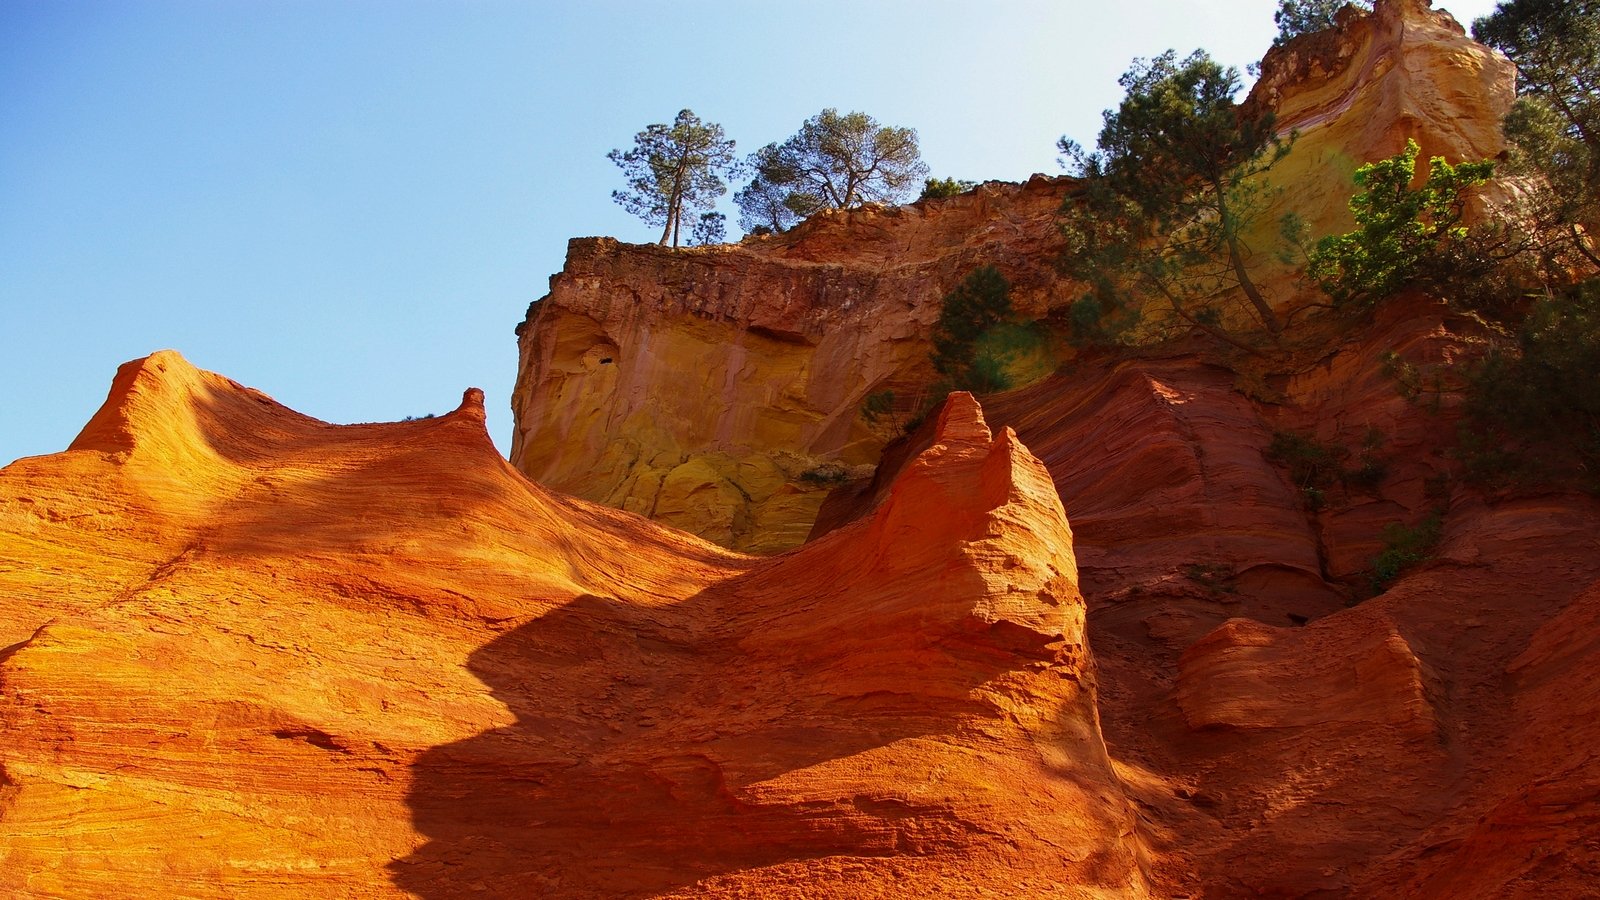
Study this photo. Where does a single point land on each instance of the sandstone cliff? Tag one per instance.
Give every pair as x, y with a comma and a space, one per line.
248, 653
1359, 91
720, 389
252, 654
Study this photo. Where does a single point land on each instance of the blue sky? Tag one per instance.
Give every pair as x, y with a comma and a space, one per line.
349, 205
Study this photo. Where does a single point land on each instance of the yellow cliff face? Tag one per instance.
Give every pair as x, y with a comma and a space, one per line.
720, 389
1357, 92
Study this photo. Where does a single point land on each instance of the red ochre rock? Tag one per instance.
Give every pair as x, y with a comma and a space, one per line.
248, 653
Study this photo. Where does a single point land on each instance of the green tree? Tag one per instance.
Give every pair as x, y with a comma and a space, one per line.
1297, 17
710, 228
673, 168
1163, 203
1404, 237
764, 206
1554, 128
938, 188
835, 161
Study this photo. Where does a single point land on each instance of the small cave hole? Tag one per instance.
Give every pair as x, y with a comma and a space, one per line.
605, 360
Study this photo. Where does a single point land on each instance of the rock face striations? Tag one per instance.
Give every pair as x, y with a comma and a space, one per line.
1357, 92
252, 654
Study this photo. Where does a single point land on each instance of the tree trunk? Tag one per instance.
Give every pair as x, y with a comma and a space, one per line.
674, 208
1214, 331
1236, 258
1581, 241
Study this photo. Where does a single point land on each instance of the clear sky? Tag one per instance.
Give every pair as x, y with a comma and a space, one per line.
349, 205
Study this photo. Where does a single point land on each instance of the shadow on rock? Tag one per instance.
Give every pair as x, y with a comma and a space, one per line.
637, 759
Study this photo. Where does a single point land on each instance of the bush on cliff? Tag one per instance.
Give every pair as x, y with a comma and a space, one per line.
1554, 128
835, 161
674, 168
1405, 237
939, 188
1542, 392
978, 339
1297, 17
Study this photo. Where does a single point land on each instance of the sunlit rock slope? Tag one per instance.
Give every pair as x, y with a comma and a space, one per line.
248, 653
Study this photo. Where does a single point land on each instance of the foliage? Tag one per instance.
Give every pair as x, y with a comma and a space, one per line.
764, 205
710, 228
1566, 193
825, 475
1003, 356
1372, 470
1215, 577
1405, 237
976, 337
835, 161
1556, 46
1315, 466
1543, 390
672, 168
1297, 17
939, 188
877, 405
1405, 546
1165, 199
1554, 128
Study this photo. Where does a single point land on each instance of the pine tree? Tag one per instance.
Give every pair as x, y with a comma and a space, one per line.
673, 168
835, 161
1165, 199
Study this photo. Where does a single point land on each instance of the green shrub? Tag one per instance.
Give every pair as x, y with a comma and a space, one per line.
1215, 577
1405, 546
1316, 467
1542, 391
1313, 466
977, 340
1297, 17
877, 406
1372, 470
1406, 238
825, 475
939, 188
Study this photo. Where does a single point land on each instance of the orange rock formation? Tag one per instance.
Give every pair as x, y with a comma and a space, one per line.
247, 653
253, 654
1279, 742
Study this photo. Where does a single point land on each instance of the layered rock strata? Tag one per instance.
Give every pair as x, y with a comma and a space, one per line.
1297, 745
253, 654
